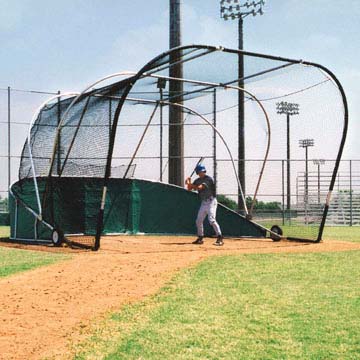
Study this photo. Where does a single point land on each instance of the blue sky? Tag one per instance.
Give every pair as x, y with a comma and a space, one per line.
59, 44
65, 45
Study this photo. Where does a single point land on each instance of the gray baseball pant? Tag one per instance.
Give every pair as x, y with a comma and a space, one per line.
207, 208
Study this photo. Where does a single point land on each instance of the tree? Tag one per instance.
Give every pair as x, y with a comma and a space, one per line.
4, 203
231, 204
262, 205
259, 205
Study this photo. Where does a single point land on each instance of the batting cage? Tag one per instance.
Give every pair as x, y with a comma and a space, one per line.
113, 158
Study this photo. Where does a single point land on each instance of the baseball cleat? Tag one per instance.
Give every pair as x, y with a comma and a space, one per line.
198, 241
219, 241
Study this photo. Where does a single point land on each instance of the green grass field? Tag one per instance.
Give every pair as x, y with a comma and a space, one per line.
345, 233
4, 231
14, 260
270, 306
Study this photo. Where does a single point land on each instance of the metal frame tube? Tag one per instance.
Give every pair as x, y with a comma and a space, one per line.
31, 211
218, 133
214, 141
123, 73
214, 85
141, 140
35, 116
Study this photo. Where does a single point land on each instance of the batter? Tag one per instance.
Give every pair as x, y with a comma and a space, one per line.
205, 186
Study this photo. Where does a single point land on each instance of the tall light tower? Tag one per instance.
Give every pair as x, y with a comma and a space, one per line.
176, 129
318, 162
306, 143
231, 10
289, 109
161, 85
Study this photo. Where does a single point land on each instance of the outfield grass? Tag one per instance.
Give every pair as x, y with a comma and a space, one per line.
4, 231
14, 260
273, 306
344, 233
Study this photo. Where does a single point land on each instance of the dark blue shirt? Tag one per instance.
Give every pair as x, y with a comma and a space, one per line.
209, 187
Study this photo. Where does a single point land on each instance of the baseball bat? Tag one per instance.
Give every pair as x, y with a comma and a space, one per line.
200, 160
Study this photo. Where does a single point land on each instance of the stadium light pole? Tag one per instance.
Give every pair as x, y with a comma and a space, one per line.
176, 120
318, 162
289, 109
161, 84
232, 10
9, 145
306, 143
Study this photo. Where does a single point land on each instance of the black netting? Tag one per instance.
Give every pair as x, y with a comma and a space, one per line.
82, 141
42, 139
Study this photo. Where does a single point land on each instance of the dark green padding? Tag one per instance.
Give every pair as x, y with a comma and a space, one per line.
25, 220
132, 206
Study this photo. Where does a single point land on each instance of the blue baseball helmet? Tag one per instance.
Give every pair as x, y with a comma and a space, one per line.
200, 168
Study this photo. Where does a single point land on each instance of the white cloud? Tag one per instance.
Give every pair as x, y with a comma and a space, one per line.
202, 29
134, 48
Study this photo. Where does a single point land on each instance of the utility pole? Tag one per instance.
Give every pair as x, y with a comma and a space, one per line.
319, 162
236, 9
289, 109
306, 143
161, 84
176, 129
9, 145
214, 141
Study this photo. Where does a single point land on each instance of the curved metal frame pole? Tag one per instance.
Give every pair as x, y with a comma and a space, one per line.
139, 74
141, 139
268, 142
225, 86
213, 84
342, 144
31, 211
35, 116
123, 73
224, 142
214, 128
217, 131
279, 58
127, 73
150, 66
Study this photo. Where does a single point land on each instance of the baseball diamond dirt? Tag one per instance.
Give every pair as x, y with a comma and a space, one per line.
46, 309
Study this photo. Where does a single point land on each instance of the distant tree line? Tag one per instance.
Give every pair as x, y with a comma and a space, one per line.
3, 203
259, 205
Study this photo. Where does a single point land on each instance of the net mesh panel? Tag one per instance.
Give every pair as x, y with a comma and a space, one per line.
84, 137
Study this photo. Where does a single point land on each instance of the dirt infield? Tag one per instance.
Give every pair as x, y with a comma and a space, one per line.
44, 310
